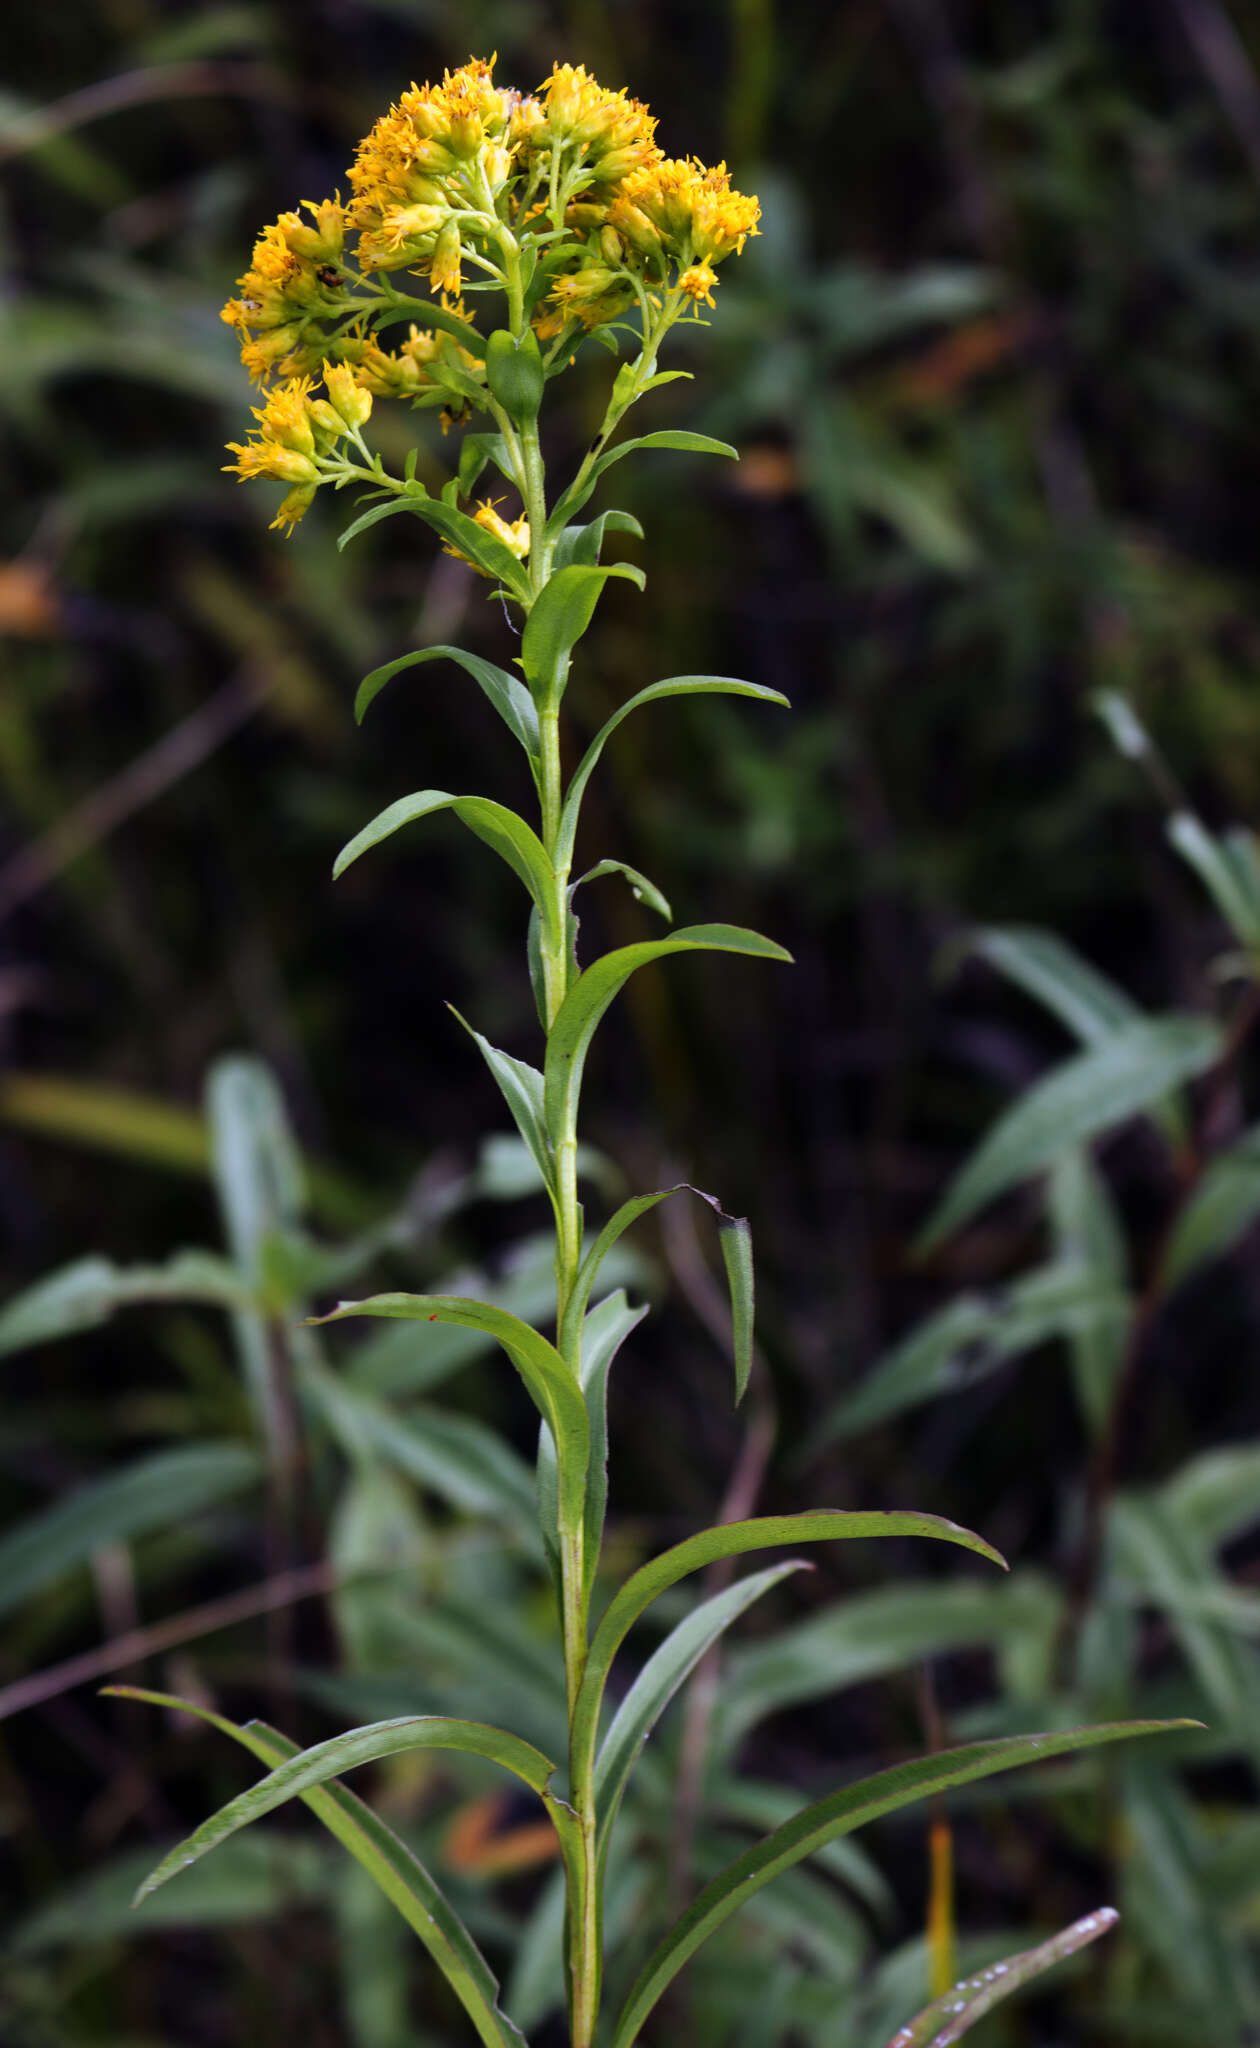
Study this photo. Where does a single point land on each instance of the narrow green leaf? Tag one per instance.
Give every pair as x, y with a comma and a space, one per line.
393, 1867
470, 540
629, 1213
735, 1238
666, 1670
679, 439
672, 686
87, 1293
1212, 1497
500, 828
733, 1539
1221, 1209
1229, 879
514, 372
325, 1760
642, 890
521, 1087
557, 1397
590, 995
1084, 1097
507, 693
1089, 1236
604, 1331
1053, 973
954, 2015
585, 543
560, 615
973, 1336
157, 1492
837, 1815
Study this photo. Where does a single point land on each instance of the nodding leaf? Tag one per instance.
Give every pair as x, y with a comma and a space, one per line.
327, 1760
592, 992
502, 829
560, 615
473, 542
507, 693
643, 890
840, 1814
736, 1241
947, 2019
388, 1862
672, 686
1125, 1072
733, 1539
553, 1390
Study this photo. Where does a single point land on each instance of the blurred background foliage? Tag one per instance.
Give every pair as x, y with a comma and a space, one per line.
992, 366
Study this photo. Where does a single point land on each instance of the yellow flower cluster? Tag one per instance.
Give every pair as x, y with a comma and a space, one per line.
514, 534
296, 432
294, 284
457, 181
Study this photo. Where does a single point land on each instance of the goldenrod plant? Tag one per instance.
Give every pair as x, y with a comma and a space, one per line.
502, 231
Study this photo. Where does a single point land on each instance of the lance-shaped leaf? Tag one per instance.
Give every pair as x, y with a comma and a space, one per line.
560, 615
590, 995
327, 1760
736, 1240
553, 1391
1053, 973
840, 1814
672, 686
509, 835
1086, 1096
666, 1669
468, 539
950, 2017
733, 1539
643, 890
394, 1868
156, 1492
680, 439
521, 1087
603, 1333
1227, 867
507, 693
84, 1295
584, 543
1224, 1205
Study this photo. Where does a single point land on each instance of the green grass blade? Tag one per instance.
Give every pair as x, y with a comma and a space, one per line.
400, 1874
839, 1814
950, 2017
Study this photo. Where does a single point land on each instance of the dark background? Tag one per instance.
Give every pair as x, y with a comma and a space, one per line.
992, 368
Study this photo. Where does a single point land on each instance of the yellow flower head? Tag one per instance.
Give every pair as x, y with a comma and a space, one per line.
680, 209
393, 373
698, 283
592, 295
294, 283
431, 151
612, 133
